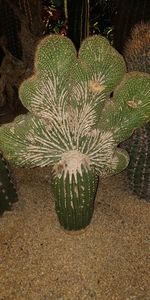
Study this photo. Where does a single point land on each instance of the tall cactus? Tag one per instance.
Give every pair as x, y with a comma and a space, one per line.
72, 124
8, 193
77, 13
137, 56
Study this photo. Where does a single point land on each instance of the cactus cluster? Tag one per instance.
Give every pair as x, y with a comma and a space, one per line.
8, 193
73, 124
137, 57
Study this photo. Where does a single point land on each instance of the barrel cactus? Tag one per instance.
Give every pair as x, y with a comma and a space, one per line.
8, 193
74, 124
137, 57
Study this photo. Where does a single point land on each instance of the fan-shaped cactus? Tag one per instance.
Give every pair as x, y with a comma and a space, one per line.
72, 124
137, 57
8, 193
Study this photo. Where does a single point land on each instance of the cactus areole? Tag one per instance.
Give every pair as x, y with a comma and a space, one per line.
73, 124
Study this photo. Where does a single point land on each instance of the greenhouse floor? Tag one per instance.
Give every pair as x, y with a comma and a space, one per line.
40, 261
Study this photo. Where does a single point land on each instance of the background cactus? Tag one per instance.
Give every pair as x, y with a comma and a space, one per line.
8, 193
72, 124
136, 51
78, 21
126, 15
137, 56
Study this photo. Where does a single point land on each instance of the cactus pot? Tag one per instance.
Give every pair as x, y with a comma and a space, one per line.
74, 194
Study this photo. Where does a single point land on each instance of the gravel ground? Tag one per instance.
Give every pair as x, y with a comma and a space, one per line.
109, 260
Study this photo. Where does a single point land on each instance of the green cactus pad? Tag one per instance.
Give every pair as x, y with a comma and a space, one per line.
42, 93
129, 108
100, 60
32, 142
55, 53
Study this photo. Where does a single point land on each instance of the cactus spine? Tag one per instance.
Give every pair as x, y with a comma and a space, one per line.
8, 193
137, 56
72, 124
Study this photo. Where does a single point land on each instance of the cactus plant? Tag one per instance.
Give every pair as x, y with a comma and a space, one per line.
137, 57
77, 13
136, 50
73, 125
8, 193
126, 15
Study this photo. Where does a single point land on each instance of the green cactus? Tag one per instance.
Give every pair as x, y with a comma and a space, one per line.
137, 57
73, 125
8, 193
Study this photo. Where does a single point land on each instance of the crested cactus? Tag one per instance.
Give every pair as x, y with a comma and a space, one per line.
8, 193
73, 125
137, 57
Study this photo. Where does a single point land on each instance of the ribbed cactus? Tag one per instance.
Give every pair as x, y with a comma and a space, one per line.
137, 49
137, 56
72, 124
8, 193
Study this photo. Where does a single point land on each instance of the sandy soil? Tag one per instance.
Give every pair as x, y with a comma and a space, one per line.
39, 261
